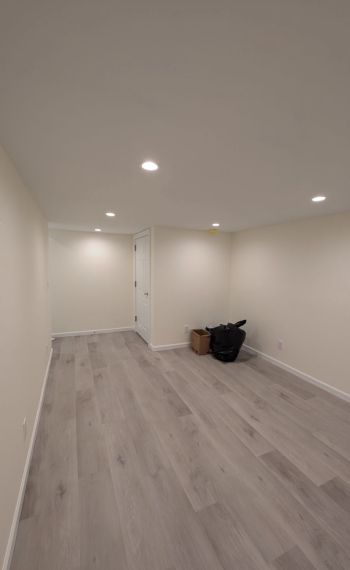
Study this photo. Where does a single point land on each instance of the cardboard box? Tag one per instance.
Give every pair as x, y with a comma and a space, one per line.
200, 341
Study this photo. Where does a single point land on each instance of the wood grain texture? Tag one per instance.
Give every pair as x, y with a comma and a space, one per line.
294, 559
171, 461
338, 491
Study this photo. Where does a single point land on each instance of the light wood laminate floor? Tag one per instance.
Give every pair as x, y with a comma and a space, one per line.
173, 461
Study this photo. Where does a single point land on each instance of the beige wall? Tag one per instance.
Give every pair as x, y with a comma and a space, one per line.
90, 281
24, 331
189, 280
292, 282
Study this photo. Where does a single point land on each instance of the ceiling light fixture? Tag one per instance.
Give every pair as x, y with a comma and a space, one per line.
149, 165
216, 225
319, 198
98, 230
110, 214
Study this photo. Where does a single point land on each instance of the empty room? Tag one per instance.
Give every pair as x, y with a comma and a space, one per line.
174, 285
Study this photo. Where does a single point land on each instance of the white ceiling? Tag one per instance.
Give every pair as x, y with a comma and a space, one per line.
244, 104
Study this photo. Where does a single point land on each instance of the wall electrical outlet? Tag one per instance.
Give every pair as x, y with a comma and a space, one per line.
280, 344
187, 328
24, 427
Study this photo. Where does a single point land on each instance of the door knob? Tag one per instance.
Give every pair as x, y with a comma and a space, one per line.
146, 294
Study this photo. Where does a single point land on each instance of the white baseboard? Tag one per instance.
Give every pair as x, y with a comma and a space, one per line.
95, 331
300, 374
16, 516
157, 347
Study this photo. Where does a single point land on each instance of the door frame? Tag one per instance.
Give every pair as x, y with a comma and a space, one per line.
142, 234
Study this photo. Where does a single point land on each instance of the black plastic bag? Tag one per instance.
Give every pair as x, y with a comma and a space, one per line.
226, 340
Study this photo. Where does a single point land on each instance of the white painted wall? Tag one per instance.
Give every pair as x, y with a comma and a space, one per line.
190, 272
292, 282
24, 332
91, 278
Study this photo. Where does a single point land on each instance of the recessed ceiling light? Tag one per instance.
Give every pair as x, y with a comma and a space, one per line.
319, 198
98, 230
216, 225
149, 165
110, 214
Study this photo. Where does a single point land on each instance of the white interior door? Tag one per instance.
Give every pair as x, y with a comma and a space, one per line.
142, 285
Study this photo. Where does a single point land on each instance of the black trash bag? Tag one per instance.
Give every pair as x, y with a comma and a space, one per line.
226, 340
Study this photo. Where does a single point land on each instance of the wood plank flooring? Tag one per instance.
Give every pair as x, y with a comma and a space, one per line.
173, 461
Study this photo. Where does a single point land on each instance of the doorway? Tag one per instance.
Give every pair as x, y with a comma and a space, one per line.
142, 284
